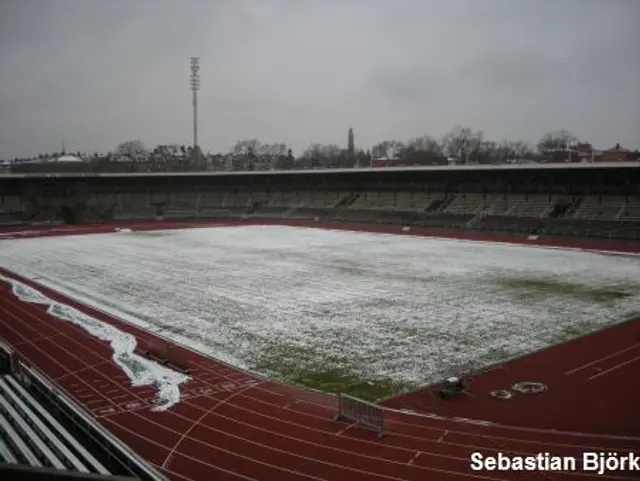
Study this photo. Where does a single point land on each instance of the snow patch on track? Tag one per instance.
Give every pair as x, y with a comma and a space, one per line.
141, 371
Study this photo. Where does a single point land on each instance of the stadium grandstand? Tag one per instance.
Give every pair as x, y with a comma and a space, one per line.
44, 434
600, 200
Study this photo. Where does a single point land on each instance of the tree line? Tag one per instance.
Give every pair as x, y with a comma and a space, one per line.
460, 145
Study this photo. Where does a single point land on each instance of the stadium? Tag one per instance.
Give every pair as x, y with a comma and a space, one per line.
367, 324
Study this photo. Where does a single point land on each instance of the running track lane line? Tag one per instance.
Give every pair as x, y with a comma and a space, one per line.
512, 428
467, 433
420, 442
198, 421
204, 442
252, 374
222, 402
311, 429
100, 395
315, 443
82, 346
617, 366
80, 303
140, 334
520, 440
199, 461
314, 460
236, 393
450, 425
215, 430
74, 340
13, 315
36, 315
616, 353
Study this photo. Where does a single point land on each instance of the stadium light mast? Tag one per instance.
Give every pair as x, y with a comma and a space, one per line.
195, 86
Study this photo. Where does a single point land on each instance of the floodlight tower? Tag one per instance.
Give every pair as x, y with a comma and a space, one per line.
195, 86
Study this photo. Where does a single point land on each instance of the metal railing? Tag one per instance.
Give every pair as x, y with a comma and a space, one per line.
116, 449
361, 412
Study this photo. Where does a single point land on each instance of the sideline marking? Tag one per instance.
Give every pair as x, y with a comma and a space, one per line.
580, 368
614, 368
197, 422
415, 457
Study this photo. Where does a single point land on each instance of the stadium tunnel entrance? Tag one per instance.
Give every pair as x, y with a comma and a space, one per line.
66, 215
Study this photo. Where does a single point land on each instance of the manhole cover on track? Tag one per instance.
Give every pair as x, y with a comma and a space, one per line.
529, 387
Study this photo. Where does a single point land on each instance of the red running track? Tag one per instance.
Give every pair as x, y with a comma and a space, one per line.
232, 424
614, 246
592, 386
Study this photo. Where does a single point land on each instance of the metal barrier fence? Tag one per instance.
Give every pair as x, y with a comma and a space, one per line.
363, 413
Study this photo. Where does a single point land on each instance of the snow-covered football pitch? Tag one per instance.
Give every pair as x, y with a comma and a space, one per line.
368, 314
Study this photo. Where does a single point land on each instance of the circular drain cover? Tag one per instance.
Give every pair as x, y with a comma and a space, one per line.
528, 387
501, 394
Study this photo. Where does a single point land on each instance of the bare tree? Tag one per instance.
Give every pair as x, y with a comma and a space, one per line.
462, 142
559, 139
134, 150
321, 155
426, 143
246, 147
244, 154
388, 148
485, 153
270, 154
519, 151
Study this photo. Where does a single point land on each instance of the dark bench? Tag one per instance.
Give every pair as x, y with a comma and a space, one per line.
166, 354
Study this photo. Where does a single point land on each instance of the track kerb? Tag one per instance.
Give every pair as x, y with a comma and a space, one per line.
363, 413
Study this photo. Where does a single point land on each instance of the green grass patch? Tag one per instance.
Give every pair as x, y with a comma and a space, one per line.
551, 287
631, 315
329, 367
497, 354
574, 331
294, 365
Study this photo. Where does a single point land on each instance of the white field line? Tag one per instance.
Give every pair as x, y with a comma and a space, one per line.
614, 354
617, 366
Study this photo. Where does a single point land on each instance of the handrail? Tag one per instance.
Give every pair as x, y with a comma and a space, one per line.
19, 443
45, 422
23, 426
123, 453
95, 464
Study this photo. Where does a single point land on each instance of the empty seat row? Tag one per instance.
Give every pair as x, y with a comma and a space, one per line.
29, 434
631, 211
469, 204
11, 203
600, 208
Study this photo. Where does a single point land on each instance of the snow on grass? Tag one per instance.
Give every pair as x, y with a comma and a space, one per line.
368, 314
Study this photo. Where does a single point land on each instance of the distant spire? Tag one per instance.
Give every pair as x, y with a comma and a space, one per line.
64, 147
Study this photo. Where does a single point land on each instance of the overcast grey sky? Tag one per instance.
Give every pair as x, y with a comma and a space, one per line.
303, 71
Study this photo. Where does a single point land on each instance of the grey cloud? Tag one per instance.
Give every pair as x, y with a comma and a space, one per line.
301, 71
